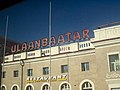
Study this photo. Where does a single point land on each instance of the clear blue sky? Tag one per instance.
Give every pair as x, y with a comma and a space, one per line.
28, 21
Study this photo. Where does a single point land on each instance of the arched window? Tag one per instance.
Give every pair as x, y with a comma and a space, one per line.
65, 86
46, 87
87, 85
29, 87
3, 88
15, 88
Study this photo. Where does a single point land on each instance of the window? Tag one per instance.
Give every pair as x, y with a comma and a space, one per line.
87, 86
15, 73
88, 44
29, 87
115, 88
46, 87
85, 66
30, 72
4, 74
15, 88
64, 68
81, 45
3, 87
65, 86
31, 54
45, 70
114, 62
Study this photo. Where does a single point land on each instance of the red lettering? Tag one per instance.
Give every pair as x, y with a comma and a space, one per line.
13, 49
24, 46
18, 48
68, 36
31, 46
76, 36
85, 33
53, 41
37, 44
61, 39
44, 42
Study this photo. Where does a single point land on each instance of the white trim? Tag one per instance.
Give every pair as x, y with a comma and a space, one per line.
4, 86
53, 58
86, 80
15, 85
113, 85
110, 53
63, 83
28, 85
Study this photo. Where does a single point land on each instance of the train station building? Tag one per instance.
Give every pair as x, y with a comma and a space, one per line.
92, 64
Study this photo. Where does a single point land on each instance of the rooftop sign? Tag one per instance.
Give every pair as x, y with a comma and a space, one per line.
44, 42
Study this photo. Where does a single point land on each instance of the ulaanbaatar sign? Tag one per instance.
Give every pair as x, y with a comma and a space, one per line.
62, 38
45, 79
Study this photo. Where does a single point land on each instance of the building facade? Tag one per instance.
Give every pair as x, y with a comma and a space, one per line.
9, 43
89, 65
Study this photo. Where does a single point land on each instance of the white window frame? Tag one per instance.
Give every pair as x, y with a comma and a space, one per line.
45, 84
87, 80
15, 85
45, 72
85, 66
4, 86
65, 82
30, 72
115, 88
112, 53
29, 85
4, 74
63, 70
16, 73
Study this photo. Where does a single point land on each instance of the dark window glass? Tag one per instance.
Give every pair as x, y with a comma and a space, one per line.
15, 88
64, 68
3, 74
15, 73
114, 62
29, 87
85, 66
30, 72
45, 70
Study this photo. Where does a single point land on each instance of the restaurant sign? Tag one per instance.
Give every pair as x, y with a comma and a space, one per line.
45, 79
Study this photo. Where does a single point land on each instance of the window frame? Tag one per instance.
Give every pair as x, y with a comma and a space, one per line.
3, 87
46, 85
29, 72
63, 68
29, 87
15, 73
115, 88
29, 84
84, 81
113, 53
85, 66
4, 74
15, 87
44, 70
